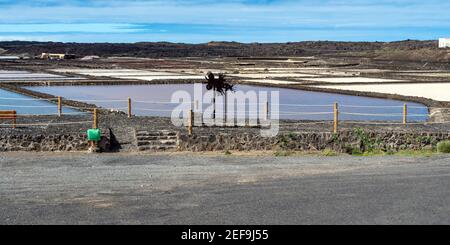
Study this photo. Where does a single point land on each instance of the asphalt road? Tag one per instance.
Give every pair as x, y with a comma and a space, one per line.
188, 189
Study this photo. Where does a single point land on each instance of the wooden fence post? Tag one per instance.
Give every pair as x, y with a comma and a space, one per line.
267, 111
405, 114
129, 107
14, 119
59, 106
336, 118
95, 124
191, 122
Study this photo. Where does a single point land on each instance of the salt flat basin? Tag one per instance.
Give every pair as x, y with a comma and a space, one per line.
27, 105
270, 81
116, 72
294, 104
352, 80
435, 91
145, 75
272, 75
25, 76
13, 72
429, 74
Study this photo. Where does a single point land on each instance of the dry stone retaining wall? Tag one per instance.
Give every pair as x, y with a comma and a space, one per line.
347, 141
50, 142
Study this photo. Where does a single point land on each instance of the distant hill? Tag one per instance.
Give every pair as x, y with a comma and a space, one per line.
404, 49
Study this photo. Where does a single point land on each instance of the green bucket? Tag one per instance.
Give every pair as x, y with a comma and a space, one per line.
94, 135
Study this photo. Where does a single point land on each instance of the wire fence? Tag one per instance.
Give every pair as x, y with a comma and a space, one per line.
39, 112
325, 113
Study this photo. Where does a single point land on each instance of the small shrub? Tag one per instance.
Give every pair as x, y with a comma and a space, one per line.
376, 152
284, 142
329, 153
368, 144
352, 150
444, 146
227, 153
356, 152
335, 138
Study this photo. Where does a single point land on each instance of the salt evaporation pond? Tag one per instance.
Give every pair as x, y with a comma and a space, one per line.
163, 93
26, 105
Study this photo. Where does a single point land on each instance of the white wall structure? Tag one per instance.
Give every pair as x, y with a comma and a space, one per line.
444, 42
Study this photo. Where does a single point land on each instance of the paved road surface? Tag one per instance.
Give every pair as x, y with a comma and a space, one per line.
180, 189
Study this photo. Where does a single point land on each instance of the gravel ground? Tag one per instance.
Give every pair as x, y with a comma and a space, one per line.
209, 189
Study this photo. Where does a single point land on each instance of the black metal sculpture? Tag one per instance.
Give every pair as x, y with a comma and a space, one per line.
219, 85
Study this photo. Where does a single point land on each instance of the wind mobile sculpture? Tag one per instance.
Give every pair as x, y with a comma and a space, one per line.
218, 85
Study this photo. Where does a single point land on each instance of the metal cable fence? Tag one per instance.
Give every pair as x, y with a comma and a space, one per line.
326, 113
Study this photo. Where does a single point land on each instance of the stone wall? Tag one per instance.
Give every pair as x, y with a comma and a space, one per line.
348, 141
345, 142
50, 142
43, 143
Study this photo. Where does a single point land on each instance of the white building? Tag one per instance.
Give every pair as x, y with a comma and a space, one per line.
444, 42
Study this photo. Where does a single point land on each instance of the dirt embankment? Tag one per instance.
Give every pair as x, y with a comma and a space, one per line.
228, 49
408, 51
424, 55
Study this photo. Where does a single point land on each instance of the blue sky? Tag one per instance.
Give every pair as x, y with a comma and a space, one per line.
200, 21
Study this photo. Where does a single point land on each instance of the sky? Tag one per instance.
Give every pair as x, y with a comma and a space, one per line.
201, 21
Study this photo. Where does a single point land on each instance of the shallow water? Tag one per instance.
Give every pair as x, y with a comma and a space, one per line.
291, 101
27, 105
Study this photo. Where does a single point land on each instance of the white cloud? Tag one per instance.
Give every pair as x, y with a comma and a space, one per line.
29, 38
60, 27
337, 13
244, 20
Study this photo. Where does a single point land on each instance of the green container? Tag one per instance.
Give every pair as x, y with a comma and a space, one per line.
94, 134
